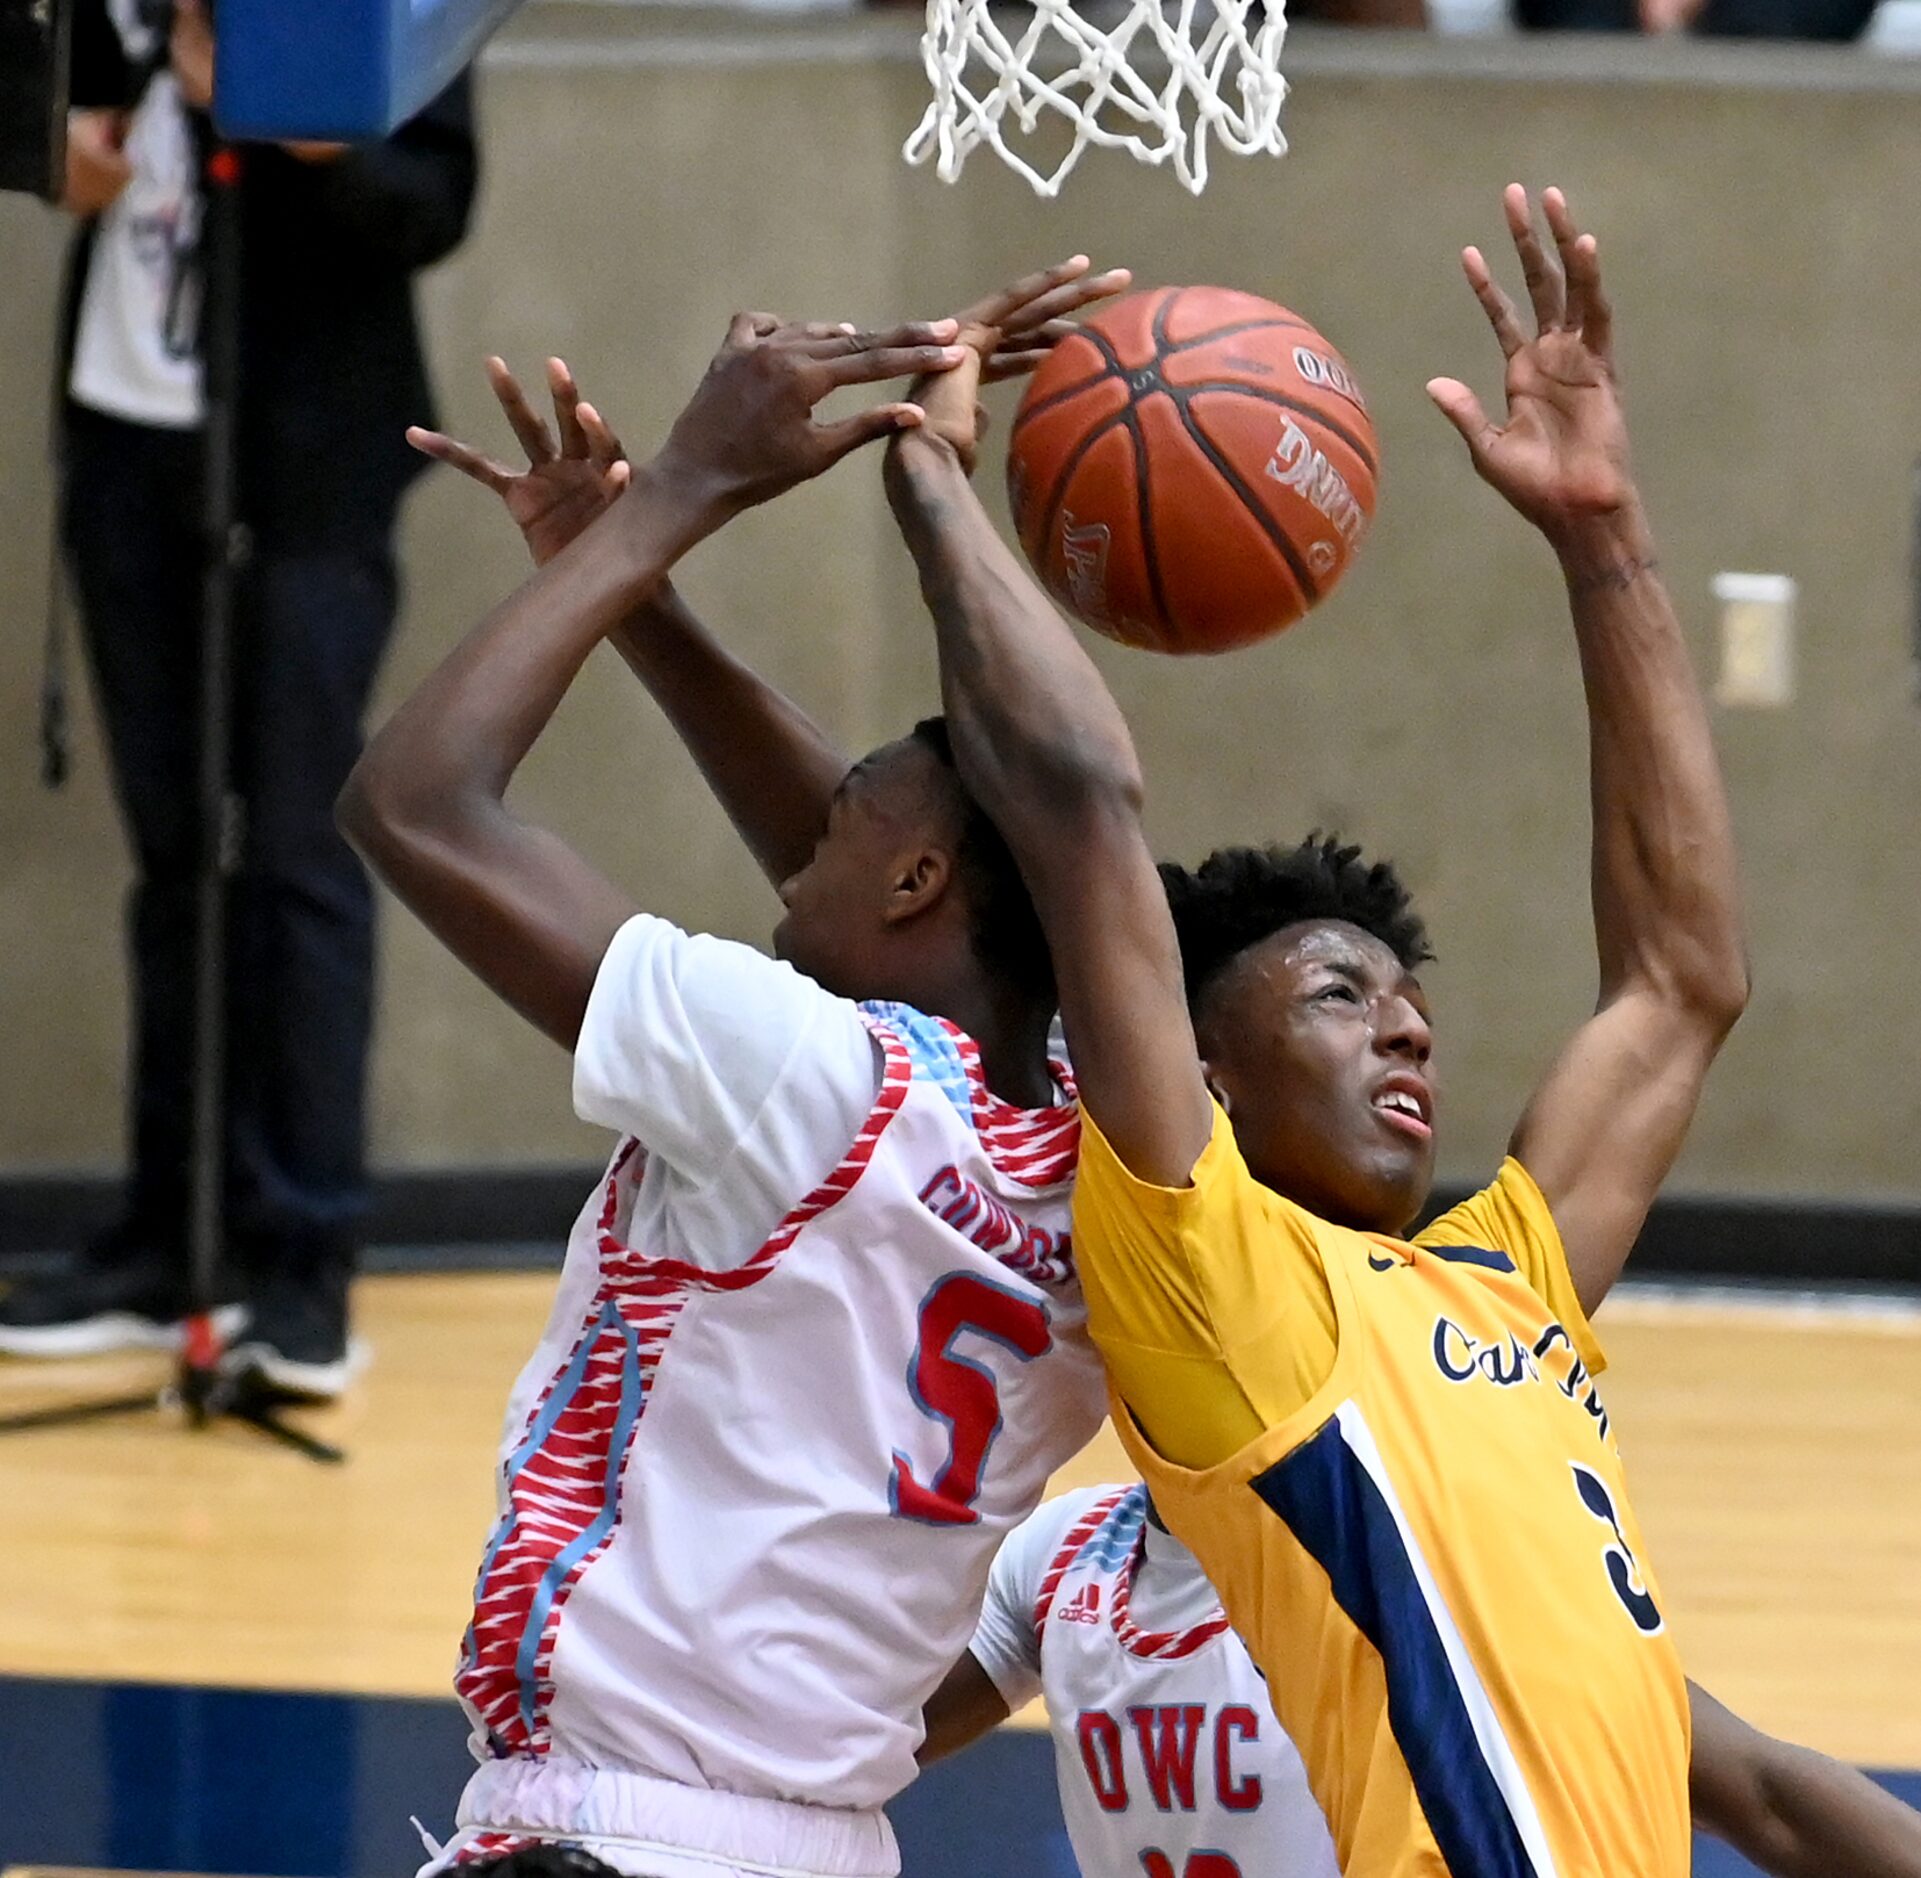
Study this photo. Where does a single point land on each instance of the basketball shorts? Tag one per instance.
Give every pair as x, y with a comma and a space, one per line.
650, 1828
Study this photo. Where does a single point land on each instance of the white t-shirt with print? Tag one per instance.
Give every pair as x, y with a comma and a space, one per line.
136, 348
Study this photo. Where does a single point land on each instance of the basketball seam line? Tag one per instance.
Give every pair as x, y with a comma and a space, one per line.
1230, 332
1157, 328
1233, 387
1310, 589
1054, 398
1164, 624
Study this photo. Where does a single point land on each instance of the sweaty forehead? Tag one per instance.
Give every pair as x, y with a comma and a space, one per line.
1284, 958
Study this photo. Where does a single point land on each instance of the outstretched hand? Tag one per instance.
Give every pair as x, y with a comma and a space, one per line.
1006, 335
1561, 458
565, 485
749, 432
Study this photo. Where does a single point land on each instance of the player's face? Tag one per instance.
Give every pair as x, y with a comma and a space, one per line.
886, 845
1317, 1041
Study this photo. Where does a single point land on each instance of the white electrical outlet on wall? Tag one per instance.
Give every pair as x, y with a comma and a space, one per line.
1757, 640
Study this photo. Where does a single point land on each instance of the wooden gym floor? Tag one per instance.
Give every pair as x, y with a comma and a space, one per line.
1775, 1452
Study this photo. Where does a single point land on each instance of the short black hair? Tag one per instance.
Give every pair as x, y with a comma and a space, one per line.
541, 1859
1239, 896
1005, 929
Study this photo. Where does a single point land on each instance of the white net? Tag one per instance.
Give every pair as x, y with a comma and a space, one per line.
1156, 78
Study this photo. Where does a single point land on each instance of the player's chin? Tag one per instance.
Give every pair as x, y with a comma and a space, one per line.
796, 943
1400, 1175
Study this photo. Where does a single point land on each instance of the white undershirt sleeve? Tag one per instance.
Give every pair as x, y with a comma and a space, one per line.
1006, 1644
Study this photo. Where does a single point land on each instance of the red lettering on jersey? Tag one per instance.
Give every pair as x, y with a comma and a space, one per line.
1167, 1736
1237, 1796
1199, 1865
992, 1225
1100, 1739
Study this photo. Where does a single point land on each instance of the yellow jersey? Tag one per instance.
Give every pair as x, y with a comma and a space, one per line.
1393, 1460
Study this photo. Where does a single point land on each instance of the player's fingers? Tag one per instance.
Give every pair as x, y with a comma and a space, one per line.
1494, 302
867, 427
604, 449
1567, 241
1463, 410
866, 368
744, 328
997, 309
1587, 301
620, 475
1544, 285
1025, 352
1005, 365
443, 449
566, 396
1069, 297
529, 426
845, 342
1597, 323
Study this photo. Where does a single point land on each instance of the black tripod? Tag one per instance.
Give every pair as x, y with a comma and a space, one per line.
200, 1387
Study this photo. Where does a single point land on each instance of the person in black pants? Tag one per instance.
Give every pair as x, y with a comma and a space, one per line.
331, 374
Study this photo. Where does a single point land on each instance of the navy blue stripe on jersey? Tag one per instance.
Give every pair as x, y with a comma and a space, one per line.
1335, 1510
1471, 1255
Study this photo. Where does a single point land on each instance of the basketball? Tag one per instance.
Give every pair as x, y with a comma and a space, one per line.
1192, 470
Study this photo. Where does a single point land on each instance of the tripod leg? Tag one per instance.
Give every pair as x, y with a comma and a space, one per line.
259, 1415
70, 1414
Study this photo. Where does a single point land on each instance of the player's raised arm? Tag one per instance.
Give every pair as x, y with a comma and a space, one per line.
426, 803
770, 766
1794, 1813
1045, 750
1604, 1126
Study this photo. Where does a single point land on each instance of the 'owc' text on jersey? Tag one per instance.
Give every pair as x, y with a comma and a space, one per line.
1171, 1756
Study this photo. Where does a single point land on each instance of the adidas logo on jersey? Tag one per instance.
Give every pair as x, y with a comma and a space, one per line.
1085, 1607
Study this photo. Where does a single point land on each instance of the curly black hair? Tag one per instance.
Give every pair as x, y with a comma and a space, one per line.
1006, 930
1239, 896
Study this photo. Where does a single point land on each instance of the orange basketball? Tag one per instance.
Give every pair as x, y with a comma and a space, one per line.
1192, 470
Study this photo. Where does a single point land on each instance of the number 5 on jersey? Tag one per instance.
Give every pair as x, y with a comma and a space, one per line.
962, 1392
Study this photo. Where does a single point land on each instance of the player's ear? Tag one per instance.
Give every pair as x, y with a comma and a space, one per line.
921, 877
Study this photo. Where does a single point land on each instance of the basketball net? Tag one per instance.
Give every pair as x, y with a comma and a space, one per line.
1160, 79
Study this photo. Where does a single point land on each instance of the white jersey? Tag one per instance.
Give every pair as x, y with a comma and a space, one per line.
1169, 1759
817, 1347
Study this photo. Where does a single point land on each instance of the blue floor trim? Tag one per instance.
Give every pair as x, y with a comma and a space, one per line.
156, 1778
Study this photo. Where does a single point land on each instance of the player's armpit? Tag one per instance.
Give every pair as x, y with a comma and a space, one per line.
1209, 1301
964, 1707
1794, 1813
1603, 1128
